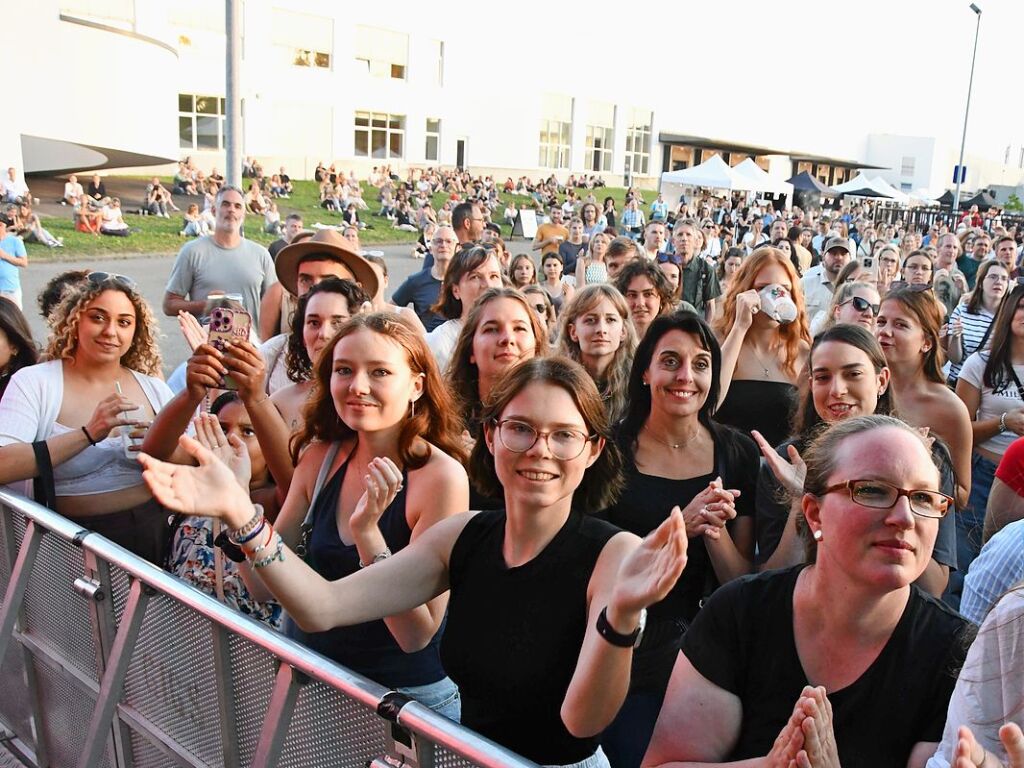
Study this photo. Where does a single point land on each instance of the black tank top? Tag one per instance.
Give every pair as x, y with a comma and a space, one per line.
766, 406
514, 634
369, 648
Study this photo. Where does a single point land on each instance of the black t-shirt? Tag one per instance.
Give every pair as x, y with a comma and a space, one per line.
422, 290
276, 246
742, 641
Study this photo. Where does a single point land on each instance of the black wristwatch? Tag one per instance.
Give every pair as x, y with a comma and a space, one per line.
632, 640
231, 551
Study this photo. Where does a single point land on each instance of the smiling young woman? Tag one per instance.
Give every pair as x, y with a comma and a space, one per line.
541, 562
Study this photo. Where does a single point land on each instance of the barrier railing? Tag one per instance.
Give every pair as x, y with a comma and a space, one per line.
107, 660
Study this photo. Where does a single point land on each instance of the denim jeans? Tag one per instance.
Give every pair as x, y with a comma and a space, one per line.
627, 738
442, 697
969, 524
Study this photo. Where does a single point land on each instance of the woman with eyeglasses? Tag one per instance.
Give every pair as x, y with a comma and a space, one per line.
990, 387
888, 258
546, 601
541, 304
847, 377
918, 267
647, 291
677, 457
100, 382
842, 660
907, 329
853, 302
970, 325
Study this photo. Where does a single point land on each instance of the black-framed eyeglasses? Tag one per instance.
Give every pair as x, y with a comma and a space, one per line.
98, 278
564, 444
670, 258
878, 494
862, 305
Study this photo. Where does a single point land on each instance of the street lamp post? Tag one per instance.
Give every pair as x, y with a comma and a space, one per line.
967, 111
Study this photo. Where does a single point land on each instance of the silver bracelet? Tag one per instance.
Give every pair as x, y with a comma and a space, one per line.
1002, 422
278, 554
384, 555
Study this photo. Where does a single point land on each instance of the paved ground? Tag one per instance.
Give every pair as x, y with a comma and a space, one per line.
151, 273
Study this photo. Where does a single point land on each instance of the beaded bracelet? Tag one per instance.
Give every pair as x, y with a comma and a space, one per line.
239, 535
277, 555
255, 533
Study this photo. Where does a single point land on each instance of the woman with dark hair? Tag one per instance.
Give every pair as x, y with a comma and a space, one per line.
546, 601
17, 349
609, 214
847, 377
990, 388
841, 660
763, 332
918, 268
676, 457
471, 271
558, 290
970, 323
596, 332
540, 303
647, 292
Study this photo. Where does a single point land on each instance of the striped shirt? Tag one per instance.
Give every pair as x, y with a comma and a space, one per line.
975, 325
998, 567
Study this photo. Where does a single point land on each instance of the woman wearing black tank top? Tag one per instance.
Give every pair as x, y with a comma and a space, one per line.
546, 602
677, 457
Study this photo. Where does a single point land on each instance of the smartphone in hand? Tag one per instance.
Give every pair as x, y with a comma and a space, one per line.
227, 325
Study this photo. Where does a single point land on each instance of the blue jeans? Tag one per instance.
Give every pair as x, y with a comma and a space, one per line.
442, 697
969, 524
627, 738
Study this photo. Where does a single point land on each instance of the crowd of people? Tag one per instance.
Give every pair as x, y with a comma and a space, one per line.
664, 490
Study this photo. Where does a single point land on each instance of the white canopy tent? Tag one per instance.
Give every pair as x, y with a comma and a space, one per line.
860, 181
883, 186
713, 173
765, 182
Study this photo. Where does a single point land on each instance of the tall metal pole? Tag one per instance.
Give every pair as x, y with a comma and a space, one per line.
963, 138
232, 91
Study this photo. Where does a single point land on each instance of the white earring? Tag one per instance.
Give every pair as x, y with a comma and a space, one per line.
817, 535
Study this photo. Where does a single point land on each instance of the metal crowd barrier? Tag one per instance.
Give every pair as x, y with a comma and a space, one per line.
109, 661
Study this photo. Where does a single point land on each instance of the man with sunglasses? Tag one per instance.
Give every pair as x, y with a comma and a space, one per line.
224, 261
699, 283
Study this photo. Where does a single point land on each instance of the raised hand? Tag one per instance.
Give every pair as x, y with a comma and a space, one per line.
791, 474
230, 450
205, 370
191, 329
748, 304
652, 569
247, 368
383, 482
208, 490
968, 753
819, 750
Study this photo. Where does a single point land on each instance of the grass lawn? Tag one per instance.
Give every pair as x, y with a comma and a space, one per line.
158, 235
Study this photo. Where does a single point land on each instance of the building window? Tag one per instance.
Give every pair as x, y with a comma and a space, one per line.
383, 53
433, 139
302, 39
905, 186
555, 131
200, 122
638, 142
600, 136
437, 47
380, 136
907, 166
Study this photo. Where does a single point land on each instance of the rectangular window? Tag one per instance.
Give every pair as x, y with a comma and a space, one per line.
907, 166
438, 47
433, 139
201, 122
638, 142
379, 136
555, 132
600, 137
384, 53
302, 39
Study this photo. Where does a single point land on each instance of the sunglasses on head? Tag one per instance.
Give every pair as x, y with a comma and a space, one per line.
862, 305
98, 278
670, 258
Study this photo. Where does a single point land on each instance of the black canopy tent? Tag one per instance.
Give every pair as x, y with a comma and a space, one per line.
983, 200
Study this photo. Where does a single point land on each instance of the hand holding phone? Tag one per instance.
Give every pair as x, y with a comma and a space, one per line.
227, 326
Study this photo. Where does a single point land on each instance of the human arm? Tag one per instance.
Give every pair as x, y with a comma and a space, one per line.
985, 429
17, 259
445, 481
748, 304
790, 476
629, 576
175, 303
412, 577
581, 273
270, 311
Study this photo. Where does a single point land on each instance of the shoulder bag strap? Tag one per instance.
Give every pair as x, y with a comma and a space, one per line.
321, 479
981, 344
43, 489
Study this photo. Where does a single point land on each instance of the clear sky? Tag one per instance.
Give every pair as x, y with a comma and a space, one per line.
810, 75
